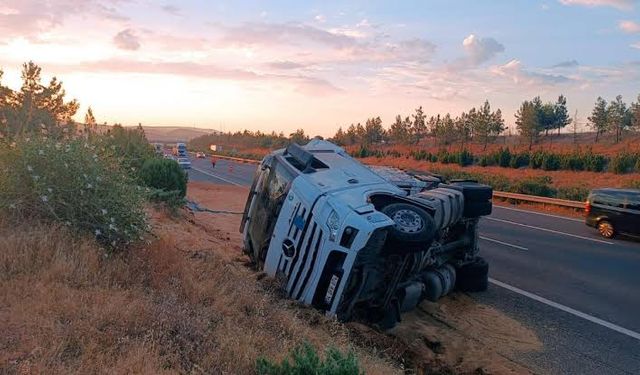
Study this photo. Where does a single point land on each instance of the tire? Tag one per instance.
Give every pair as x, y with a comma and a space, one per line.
476, 209
473, 191
413, 224
473, 277
606, 229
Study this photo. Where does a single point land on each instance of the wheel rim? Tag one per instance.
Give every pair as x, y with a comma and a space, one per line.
606, 229
408, 221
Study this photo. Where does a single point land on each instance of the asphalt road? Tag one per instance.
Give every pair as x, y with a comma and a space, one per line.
579, 292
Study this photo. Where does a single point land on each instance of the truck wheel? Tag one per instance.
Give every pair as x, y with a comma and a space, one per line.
412, 223
473, 277
605, 228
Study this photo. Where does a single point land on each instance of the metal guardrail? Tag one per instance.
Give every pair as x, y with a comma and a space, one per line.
537, 199
241, 160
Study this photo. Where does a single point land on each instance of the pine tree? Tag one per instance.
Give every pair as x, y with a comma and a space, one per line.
634, 111
419, 126
89, 121
527, 121
400, 131
561, 114
599, 117
374, 131
617, 116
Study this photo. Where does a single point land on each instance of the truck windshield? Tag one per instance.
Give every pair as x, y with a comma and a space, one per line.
268, 203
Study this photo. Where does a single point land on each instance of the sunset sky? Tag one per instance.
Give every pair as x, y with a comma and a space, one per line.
282, 65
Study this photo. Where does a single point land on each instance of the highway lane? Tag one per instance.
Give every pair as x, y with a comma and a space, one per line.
556, 259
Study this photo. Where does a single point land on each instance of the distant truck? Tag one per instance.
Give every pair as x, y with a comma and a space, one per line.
180, 150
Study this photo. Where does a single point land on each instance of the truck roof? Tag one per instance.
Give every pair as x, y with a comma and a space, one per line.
334, 169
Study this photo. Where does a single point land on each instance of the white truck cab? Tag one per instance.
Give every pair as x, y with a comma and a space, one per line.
348, 241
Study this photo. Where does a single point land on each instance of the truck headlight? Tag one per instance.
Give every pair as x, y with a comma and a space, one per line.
333, 222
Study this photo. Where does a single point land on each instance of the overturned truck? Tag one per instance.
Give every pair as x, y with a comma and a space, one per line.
358, 243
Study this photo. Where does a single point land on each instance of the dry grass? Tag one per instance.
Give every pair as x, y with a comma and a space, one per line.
66, 307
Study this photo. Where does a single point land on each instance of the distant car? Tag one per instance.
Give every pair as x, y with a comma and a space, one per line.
185, 163
200, 155
614, 211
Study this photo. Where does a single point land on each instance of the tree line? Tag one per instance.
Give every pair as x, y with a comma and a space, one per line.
483, 125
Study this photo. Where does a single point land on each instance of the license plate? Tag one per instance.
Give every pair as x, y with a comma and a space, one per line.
332, 288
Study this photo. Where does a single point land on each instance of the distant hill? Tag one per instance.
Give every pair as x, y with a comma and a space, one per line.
174, 133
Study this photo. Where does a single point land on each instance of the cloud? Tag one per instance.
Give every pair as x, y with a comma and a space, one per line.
635, 45
305, 84
480, 50
171, 9
29, 18
126, 39
286, 65
515, 71
417, 49
629, 27
566, 64
618, 4
477, 50
262, 33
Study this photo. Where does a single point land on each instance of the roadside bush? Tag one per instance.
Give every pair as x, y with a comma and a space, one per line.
573, 193
539, 186
550, 162
168, 180
535, 159
574, 161
67, 182
128, 145
622, 163
307, 361
594, 163
464, 158
519, 160
503, 157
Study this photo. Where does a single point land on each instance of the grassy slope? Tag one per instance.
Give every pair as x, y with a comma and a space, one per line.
173, 306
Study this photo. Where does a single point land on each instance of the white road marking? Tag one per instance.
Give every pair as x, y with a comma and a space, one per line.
567, 309
550, 230
503, 243
216, 176
538, 213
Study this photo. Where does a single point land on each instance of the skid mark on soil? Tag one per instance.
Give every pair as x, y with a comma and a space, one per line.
466, 335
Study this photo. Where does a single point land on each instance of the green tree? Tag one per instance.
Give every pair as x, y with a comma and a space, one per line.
599, 117
487, 125
352, 135
36, 107
464, 126
527, 121
340, 137
634, 109
90, 123
561, 114
299, 137
419, 126
545, 114
618, 117
400, 130
373, 131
